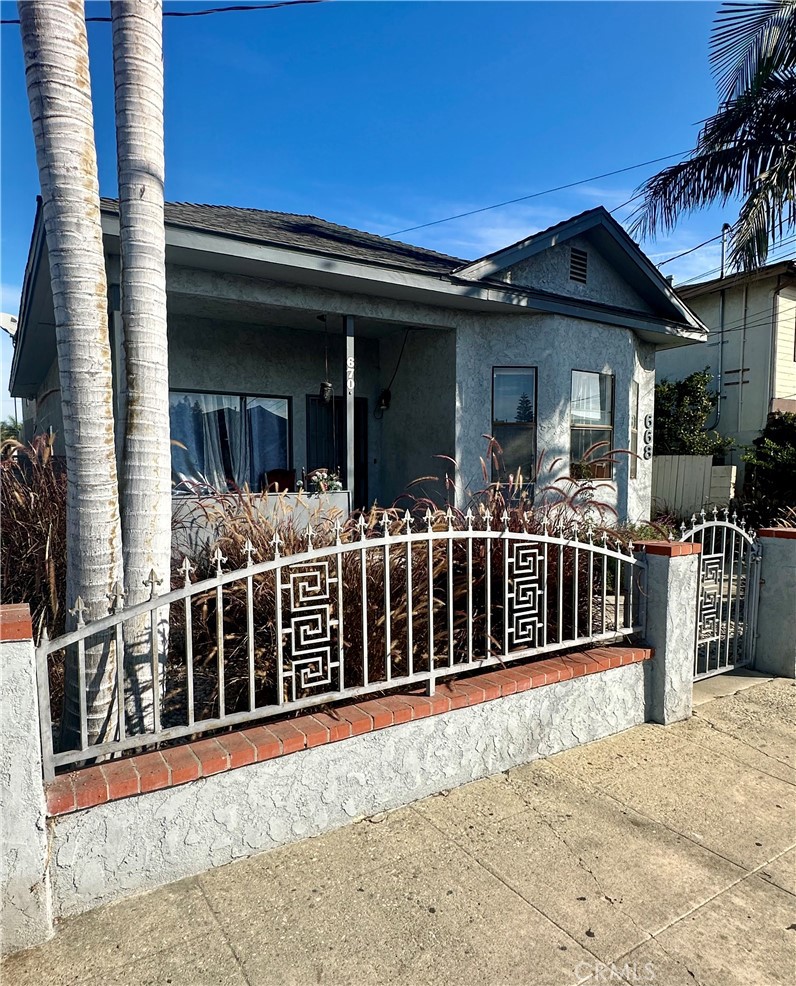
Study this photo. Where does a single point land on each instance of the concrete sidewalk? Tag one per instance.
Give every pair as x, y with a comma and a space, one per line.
662, 854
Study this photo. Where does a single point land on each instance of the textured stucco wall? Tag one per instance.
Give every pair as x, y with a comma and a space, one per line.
776, 616
45, 411
25, 901
142, 842
420, 422
555, 345
671, 630
549, 271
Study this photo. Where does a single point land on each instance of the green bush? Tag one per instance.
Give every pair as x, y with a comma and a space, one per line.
682, 409
770, 480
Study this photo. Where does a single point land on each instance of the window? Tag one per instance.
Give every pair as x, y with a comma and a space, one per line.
634, 429
578, 265
227, 441
514, 422
591, 422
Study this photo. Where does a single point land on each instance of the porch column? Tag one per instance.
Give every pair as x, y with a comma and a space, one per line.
350, 386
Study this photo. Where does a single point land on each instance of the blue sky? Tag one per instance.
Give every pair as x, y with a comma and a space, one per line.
386, 115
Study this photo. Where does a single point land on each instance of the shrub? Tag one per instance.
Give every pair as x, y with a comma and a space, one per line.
770, 479
682, 408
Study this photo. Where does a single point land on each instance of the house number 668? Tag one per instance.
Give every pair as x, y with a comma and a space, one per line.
349, 373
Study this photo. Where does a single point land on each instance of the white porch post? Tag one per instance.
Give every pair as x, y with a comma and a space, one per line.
350, 386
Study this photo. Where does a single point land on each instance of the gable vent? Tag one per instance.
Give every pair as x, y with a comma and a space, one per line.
578, 260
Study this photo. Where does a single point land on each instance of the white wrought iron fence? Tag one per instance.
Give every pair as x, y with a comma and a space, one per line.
401, 606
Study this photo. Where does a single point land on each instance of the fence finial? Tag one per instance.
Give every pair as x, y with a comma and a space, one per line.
116, 597
219, 559
504, 518
249, 548
488, 519
276, 541
590, 532
469, 518
715, 512
310, 534
449, 518
726, 513
78, 611
152, 580
702, 514
545, 526
408, 521
429, 519
361, 527
338, 528
384, 522
186, 568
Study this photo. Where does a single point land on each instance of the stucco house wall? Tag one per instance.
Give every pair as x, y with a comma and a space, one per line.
555, 346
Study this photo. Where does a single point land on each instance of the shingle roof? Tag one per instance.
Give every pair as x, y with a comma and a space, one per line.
303, 233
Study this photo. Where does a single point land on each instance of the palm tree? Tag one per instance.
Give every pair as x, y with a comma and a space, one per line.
747, 149
55, 48
146, 462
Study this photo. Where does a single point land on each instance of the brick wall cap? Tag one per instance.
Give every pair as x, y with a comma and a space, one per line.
789, 533
15, 622
671, 549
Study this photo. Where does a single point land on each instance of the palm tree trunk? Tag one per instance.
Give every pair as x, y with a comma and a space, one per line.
146, 462
59, 92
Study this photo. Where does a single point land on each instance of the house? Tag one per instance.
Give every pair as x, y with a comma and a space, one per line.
751, 351
295, 343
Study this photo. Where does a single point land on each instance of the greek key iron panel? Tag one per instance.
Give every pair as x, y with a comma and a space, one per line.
310, 655
525, 596
710, 608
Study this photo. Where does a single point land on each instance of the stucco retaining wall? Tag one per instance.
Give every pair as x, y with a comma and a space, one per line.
131, 845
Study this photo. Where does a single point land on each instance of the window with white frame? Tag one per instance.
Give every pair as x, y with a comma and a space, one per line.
222, 442
514, 423
591, 424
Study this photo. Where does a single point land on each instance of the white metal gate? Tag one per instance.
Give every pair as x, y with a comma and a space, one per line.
728, 590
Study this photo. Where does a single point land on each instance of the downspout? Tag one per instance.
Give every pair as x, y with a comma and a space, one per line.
743, 352
720, 372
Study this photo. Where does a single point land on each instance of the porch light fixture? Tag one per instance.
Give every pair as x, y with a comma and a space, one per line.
326, 390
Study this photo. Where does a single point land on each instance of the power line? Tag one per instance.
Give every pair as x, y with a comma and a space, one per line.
717, 270
534, 195
686, 252
239, 8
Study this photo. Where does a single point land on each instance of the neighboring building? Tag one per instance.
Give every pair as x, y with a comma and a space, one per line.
753, 357
548, 344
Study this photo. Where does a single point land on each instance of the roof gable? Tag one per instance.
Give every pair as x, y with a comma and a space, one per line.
615, 247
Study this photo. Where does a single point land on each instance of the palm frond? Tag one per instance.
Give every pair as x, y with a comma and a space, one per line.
750, 42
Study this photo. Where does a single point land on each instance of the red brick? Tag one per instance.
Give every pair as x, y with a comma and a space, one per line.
359, 721
381, 716
557, 670
241, 752
539, 677
183, 764
491, 685
400, 708
211, 755
777, 532
15, 622
292, 739
266, 744
121, 778
471, 690
339, 728
508, 685
315, 733
90, 787
672, 549
600, 657
439, 703
457, 699
60, 795
420, 705
153, 771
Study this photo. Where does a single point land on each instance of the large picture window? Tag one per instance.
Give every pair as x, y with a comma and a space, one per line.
591, 422
514, 422
227, 441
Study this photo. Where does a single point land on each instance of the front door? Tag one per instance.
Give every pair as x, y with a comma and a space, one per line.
326, 441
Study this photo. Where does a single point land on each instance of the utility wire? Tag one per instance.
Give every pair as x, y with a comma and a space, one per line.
686, 252
717, 270
200, 13
534, 195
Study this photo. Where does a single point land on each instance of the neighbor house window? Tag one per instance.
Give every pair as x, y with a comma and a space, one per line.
227, 441
634, 429
592, 424
514, 423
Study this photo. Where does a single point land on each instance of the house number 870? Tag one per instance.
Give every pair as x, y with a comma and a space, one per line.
349, 373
